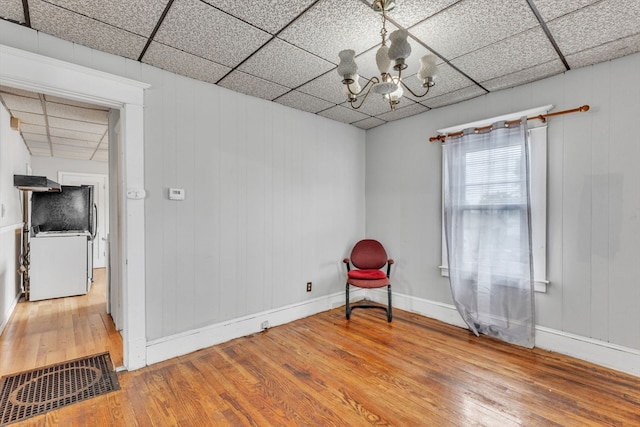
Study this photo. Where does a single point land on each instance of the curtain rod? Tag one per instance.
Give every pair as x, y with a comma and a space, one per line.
541, 117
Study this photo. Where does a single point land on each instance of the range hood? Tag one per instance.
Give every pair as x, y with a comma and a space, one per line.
35, 183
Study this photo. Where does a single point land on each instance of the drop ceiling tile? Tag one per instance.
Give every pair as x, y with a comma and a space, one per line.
12, 10
369, 123
470, 25
72, 134
22, 103
409, 12
73, 142
35, 145
20, 92
252, 85
67, 149
343, 114
29, 118
334, 25
304, 102
527, 75
600, 23
71, 112
447, 80
137, 16
401, 112
605, 52
327, 86
198, 28
551, 9
454, 97
184, 63
35, 129
513, 54
260, 14
83, 30
35, 137
300, 66
75, 125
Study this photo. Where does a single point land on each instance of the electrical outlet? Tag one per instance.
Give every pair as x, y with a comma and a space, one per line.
264, 325
308, 286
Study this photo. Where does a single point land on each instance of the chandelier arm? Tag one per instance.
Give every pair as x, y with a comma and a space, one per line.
412, 92
351, 102
373, 80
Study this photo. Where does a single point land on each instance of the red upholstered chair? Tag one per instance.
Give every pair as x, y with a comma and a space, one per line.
368, 257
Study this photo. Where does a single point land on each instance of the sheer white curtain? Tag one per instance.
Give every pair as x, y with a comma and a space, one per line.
488, 231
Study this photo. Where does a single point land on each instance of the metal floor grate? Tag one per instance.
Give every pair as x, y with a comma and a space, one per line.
32, 393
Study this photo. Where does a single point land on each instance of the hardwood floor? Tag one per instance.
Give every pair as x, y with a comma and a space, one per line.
326, 371
41, 333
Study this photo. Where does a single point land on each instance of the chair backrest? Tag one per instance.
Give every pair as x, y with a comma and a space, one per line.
368, 254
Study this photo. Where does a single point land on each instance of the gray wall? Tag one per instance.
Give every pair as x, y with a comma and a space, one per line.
274, 199
274, 196
593, 198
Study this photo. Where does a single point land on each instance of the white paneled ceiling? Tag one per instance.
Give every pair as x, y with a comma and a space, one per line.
57, 127
287, 52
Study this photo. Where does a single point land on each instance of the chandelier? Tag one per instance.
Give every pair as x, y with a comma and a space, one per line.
387, 85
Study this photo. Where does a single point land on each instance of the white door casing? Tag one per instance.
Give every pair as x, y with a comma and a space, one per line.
38, 73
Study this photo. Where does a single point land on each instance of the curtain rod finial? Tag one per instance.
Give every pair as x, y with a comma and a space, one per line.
584, 108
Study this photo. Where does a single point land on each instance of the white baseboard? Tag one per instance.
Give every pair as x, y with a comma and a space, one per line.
7, 315
190, 341
602, 353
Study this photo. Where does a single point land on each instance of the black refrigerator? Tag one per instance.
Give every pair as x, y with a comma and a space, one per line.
71, 211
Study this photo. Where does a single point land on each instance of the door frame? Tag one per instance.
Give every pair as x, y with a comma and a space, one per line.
38, 73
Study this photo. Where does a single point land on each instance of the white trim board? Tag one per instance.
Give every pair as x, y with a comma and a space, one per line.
190, 341
11, 227
601, 353
31, 71
10, 312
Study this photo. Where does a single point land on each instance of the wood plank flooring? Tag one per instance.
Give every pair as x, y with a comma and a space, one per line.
42, 333
326, 371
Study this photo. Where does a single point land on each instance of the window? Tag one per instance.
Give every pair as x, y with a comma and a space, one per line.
485, 189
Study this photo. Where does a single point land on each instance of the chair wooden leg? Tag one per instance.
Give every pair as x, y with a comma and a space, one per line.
347, 307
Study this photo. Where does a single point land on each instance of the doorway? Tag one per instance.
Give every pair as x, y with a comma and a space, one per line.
34, 72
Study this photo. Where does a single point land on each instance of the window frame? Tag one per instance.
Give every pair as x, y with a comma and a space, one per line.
537, 133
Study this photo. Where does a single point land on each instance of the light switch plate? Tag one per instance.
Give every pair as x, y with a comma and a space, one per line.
136, 193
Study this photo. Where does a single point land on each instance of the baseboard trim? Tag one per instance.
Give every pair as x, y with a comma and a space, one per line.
612, 356
9, 312
190, 341
601, 353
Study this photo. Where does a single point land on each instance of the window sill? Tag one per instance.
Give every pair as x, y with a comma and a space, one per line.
539, 285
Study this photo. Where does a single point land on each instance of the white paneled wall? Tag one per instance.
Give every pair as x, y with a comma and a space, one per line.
593, 198
274, 199
14, 158
274, 196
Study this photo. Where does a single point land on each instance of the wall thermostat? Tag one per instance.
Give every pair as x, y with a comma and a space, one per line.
176, 194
